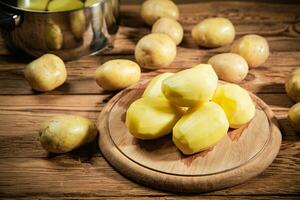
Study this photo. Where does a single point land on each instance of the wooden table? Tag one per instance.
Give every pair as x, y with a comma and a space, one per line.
26, 170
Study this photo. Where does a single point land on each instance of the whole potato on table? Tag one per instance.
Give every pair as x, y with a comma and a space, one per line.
229, 67
253, 48
294, 117
155, 50
117, 74
64, 133
213, 32
46, 73
170, 27
152, 10
292, 85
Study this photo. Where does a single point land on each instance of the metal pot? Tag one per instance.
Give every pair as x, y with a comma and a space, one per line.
68, 34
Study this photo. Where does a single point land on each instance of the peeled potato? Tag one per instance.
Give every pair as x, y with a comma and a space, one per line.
213, 32
63, 133
117, 74
33, 4
292, 85
200, 128
253, 48
89, 3
155, 50
191, 86
64, 5
152, 10
151, 117
237, 104
294, 117
229, 67
46, 73
153, 89
170, 27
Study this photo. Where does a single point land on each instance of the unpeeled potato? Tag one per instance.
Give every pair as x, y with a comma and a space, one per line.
200, 128
294, 117
151, 117
292, 85
236, 102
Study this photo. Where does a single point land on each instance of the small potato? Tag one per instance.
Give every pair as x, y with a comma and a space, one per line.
78, 23
294, 117
200, 128
151, 117
292, 85
46, 73
155, 51
237, 104
63, 133
213, 32
153, 89
170, 27
152, 10
253, 48
64, 5
229, 67
117, 74
53, 35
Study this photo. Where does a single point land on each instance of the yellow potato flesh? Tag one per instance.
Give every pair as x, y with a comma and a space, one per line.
200, 128
294, 117
151, 117
292, 85
63, 133
237, 104
192, 86
33, 4
153, 89
88, 3
64, 5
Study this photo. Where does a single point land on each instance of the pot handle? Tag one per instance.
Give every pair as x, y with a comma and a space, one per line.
8, 20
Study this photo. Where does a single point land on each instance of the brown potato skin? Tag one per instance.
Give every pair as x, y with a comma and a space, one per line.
46, 73
170, 27
292, 85
229, 67
294, 117
253, 48
155, 51
152, 10
213, 32
64, 133
117, 74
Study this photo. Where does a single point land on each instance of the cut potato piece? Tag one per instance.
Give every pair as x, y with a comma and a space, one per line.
200, 128
154, 87
192, 86
151, 117
236, 103
64, 5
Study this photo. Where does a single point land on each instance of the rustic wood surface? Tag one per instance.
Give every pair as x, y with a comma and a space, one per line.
27, 171
242, 154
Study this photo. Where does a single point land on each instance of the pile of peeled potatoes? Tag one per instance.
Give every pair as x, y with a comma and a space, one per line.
189, 103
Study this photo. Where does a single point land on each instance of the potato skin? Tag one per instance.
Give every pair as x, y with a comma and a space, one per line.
229, 67
155, 51
152, 10
170, 27
64, 133
213, 32
292, 85
253, 48
117, 74
294, 117
46, 73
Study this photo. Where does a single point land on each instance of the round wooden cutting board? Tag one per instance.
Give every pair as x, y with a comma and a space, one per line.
241, 155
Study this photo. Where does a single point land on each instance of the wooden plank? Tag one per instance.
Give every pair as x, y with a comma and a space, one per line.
68, 175
269, 78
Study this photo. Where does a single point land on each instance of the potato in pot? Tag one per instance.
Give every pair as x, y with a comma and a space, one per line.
63, 133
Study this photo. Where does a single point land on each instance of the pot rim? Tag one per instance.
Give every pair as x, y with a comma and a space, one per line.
53, 12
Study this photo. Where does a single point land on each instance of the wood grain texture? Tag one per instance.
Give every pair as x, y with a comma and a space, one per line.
27, 171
